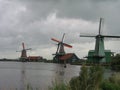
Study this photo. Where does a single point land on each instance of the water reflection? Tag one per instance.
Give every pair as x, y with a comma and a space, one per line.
23, 77
60, 72
37, 75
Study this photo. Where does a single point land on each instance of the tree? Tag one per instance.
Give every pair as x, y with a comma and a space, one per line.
115, 63
89, 78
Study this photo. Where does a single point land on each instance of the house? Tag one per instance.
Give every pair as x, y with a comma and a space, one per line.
34, 58
70, 58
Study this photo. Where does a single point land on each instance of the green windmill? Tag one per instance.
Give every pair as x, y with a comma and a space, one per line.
99, 54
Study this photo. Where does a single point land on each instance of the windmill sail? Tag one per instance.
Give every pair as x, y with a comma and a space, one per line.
87, 36
108, 36
67, 45
23, 45
100, 26
55, 40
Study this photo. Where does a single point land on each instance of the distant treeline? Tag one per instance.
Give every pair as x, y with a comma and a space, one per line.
115, 64
4, 59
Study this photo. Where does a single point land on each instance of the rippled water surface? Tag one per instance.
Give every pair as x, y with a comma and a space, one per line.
36, 75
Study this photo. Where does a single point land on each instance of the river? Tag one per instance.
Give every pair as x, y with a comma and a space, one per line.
19, 75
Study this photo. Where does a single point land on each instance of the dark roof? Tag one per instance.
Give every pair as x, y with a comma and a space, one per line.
67, 56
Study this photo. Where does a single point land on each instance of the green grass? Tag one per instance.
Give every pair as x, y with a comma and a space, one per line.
59, 86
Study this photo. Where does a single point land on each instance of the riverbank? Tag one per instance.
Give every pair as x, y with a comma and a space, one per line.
91, 78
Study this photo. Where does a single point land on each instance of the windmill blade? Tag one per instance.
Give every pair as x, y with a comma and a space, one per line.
87, 36
28, 49
107, 36
23, 45
18, 51
67, 45
55, 40
100, 24
63, 37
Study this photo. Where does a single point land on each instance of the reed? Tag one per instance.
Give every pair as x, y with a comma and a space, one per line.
59, 86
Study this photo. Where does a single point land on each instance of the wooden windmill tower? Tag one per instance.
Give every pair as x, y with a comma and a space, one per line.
60, 49
23, 52
99, 52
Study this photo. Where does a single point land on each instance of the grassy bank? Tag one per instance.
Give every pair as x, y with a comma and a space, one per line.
90, 79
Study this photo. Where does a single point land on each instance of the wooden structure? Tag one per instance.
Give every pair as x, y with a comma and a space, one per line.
99, 53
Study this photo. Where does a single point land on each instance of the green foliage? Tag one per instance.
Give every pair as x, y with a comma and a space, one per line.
59, 86
83, 78
29, 87
74, 83
106, 85
95, 77
113, 83
90, 78
115, 78
115, 64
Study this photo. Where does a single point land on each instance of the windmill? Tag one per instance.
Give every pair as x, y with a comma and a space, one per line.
60, 49
23, 52
99, 52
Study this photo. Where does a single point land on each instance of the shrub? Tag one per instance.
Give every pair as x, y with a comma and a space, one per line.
59, 86
89, 79
106, 85
113, 83
74, 83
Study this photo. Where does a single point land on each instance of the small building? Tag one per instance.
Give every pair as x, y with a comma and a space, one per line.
34, 58
70, 58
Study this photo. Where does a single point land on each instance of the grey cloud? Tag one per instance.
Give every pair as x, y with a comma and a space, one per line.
24, 21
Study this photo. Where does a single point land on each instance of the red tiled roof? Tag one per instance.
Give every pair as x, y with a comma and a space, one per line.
34, 57
66, 56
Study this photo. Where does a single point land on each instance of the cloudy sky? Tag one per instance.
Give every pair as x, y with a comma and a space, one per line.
35, 22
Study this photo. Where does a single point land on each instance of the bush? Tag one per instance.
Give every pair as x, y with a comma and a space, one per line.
74, 83
89, 79
115, 67
115, 63
113, 83
59, 86
106, 85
